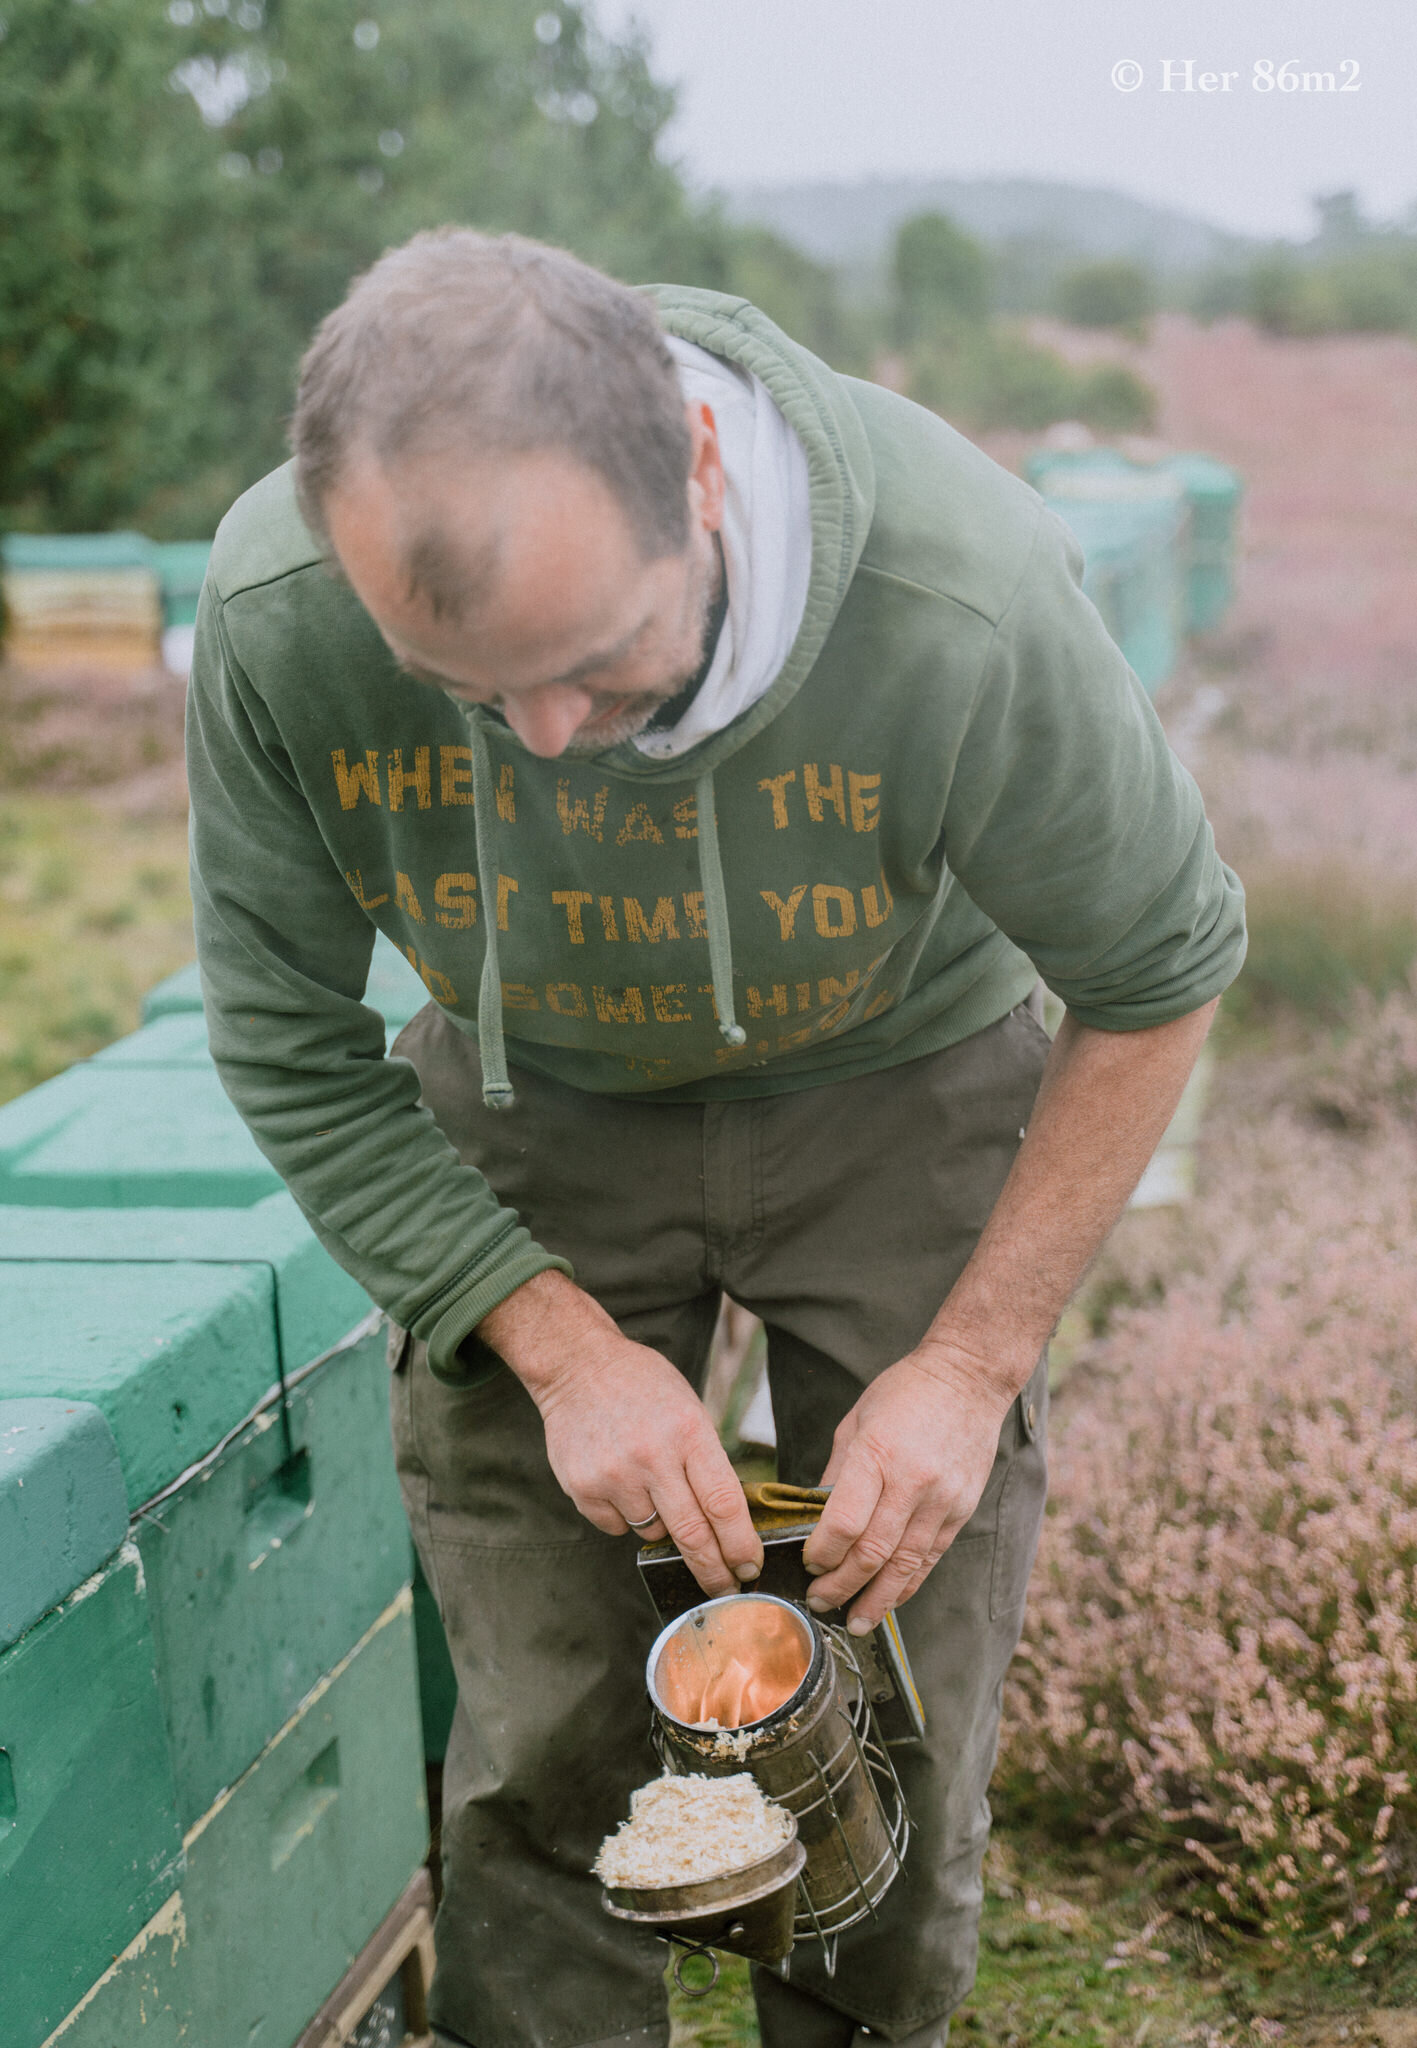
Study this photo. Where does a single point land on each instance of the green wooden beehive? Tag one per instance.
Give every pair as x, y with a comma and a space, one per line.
178, 995
63, 1509
99, 1137
286, 1876
89, 1838
174, 1355
316, 1302
287, 1538
177, 1038
268, 1564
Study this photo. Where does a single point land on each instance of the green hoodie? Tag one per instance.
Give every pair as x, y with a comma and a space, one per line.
954, 785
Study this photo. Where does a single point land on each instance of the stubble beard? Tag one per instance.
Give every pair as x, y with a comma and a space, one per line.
635, 713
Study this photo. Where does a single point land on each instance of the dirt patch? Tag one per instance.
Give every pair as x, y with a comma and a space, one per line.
111, 735
1381, 2029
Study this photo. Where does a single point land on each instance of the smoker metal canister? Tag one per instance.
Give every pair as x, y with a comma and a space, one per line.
809, 1754
748, 1912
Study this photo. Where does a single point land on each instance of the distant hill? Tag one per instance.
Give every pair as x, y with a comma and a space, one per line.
1050, 225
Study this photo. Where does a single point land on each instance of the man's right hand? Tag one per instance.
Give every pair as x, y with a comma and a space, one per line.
626, 1435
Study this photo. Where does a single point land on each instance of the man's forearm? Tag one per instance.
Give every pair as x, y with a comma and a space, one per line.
543, 1330
1105, 1100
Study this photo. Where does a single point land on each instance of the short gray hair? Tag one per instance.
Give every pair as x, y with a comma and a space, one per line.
494, 345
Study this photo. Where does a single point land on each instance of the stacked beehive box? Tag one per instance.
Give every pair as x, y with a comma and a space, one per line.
175, 1035
211, 1782
82, 600
181, 566
1159, 539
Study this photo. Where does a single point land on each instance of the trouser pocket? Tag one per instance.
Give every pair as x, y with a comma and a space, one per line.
1022, 1497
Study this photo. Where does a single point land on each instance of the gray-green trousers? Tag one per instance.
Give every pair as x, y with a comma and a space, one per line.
841, 1215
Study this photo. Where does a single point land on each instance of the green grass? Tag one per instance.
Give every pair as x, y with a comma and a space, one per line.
1318, 936
1051, 1964
93, 910
1088, 1946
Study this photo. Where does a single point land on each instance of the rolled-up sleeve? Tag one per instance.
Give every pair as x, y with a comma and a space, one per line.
1072, 824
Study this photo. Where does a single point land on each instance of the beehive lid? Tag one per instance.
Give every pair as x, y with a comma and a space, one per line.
179, 992
317, 1303
1047, 468
174, 1355
76, 551
175, 1039
112, 1137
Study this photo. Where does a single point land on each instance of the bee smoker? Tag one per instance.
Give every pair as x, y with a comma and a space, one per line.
751, 1682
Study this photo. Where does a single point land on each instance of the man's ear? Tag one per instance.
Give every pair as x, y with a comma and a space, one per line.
706, 480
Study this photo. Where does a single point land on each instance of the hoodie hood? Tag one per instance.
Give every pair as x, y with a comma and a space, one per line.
763, 543
841, 474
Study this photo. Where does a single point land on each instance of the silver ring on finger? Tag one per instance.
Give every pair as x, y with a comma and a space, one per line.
652, 1516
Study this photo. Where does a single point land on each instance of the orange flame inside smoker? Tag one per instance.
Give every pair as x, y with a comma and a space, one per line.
738, 1666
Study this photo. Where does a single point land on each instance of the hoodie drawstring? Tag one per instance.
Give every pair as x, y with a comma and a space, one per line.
497, 1090
716, 915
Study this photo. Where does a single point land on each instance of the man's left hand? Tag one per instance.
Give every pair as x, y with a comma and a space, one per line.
908, 1465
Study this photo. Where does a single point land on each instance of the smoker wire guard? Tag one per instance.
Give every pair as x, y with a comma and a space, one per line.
873, 1756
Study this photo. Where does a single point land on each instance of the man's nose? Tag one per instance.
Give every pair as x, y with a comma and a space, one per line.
548, 719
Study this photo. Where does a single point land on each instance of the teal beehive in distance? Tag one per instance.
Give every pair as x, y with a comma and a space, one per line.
90, 1845
76, 551
181, 567
1212, 491
1132, 550
63, 1509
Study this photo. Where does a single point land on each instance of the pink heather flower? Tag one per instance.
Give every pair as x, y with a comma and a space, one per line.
1221, 1649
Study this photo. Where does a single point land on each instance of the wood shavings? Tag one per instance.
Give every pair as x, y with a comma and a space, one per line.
684, 1829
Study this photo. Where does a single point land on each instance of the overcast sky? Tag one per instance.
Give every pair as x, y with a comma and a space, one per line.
773, 91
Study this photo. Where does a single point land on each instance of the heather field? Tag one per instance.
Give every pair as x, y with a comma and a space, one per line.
1208, 1821
1217, 1693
